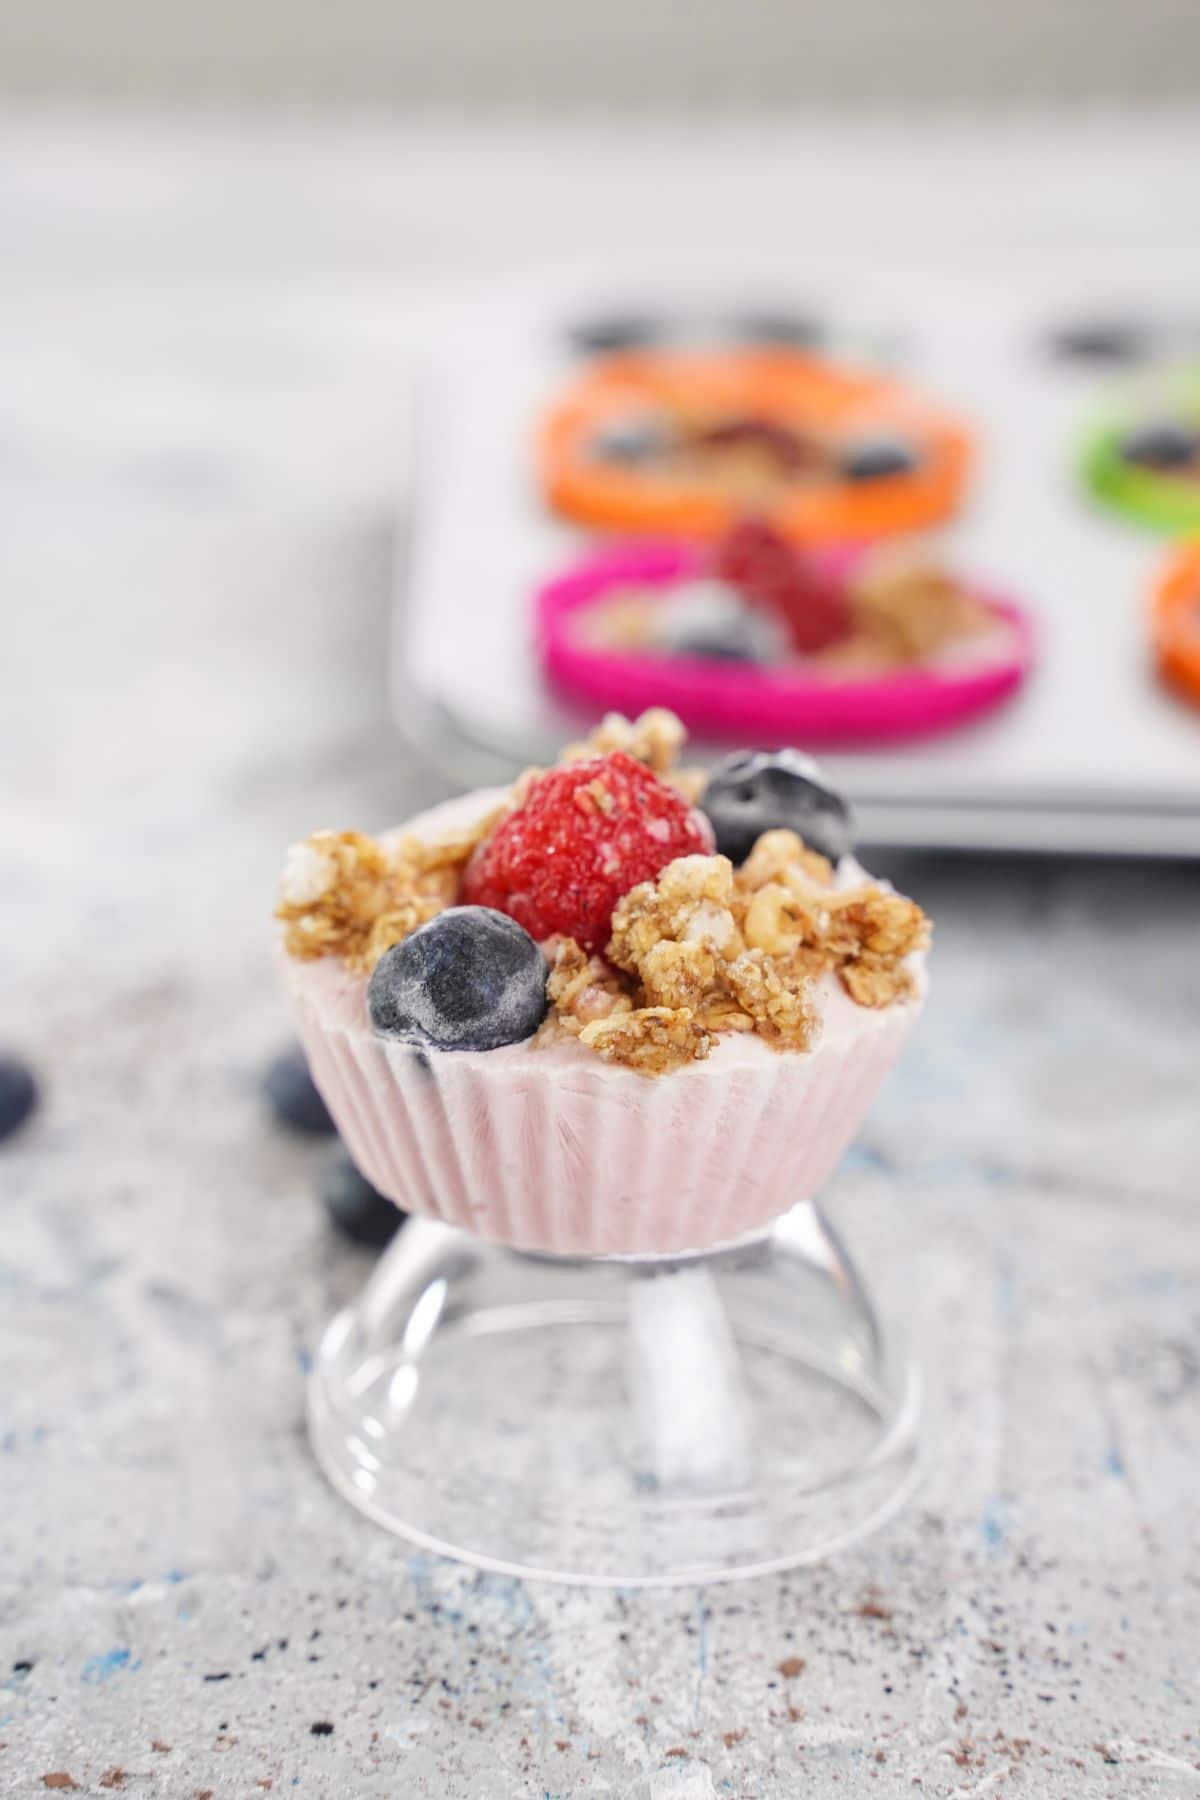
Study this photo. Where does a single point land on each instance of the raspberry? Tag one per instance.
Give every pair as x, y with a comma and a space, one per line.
583, 837
754, 558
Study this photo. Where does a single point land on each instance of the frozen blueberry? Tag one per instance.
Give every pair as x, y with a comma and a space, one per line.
609, 333
1167, 445
742, 641
797, 330
472, 979
293, 1097
710, 619
1101, 341
883, 456
355, 1208
767, 790
18, 1094
630, 441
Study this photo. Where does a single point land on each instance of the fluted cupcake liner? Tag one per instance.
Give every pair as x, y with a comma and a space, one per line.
550, 1149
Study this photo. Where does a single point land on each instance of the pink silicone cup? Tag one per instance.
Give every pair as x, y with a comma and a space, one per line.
759, 704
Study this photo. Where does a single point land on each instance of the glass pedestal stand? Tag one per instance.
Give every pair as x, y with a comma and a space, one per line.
675, 1419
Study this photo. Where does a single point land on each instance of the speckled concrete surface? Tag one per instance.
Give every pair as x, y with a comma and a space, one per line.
198, 537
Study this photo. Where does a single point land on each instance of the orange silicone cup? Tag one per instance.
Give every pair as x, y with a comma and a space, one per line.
772, 384
1176, 622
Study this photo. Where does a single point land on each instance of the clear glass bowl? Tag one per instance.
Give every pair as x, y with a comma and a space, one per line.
618, 1421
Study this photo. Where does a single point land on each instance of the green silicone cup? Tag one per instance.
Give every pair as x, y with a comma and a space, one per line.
1167, 503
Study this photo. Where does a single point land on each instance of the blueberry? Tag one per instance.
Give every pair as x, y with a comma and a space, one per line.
607, 334
630, 441
737, 643
796, 330
18, 1094
472, 979
1168, 445
872, 459
766, 790
355, 1208
293, 1097
1101, 340
709, 619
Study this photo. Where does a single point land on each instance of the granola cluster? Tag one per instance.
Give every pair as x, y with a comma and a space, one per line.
700, 950
906, 608
348, 895
707, 949
656, 739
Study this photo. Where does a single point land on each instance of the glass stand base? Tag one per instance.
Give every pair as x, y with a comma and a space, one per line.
624, 1422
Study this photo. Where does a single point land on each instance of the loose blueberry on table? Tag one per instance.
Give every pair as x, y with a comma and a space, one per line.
766, 790
18, 1094
471, 979
293, 1096
356, 1209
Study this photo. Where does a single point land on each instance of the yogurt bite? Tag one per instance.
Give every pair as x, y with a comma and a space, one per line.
591, 1016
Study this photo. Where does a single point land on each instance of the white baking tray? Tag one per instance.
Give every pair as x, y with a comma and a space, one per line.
1092, 756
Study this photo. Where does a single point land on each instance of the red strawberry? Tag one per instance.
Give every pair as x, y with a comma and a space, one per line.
584, 835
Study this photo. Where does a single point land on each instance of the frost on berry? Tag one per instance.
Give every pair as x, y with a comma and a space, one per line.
584, 835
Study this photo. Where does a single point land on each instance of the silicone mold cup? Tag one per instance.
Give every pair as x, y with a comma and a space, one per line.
1161, 502
747, 702
1176, 622
772, 384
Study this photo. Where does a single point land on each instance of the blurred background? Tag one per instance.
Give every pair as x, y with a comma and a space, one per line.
230, 237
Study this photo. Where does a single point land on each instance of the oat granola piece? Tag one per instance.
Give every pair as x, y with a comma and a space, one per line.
582, 988
743, 951
872, 933
783, 856
651, 1040
345, 894
689, 904
875, 984
655, 739
783, 1012
688, 780
721, 1012
871, 921
450, 851
781, 920
909, 607
680, 937
334, 885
